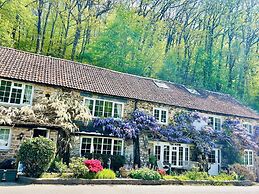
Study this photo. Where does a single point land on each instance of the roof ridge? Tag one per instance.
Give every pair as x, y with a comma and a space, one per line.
129, 86
114, 71
82, 64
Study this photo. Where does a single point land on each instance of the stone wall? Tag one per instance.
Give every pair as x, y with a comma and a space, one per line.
16, 141
129, 106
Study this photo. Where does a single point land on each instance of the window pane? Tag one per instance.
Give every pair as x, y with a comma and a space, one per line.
107, 146
211, 121
158, 152
163, 116
108, 109
156, 114
217, 124
250, 129
174, 156
246, 158
98, 145
117, 147
16, 96
186, 154
117, 110
180, 162
98, 110
27, 95
5, 89
4, 137
166, 154
90, 104
86, 146
212, 158
250, 158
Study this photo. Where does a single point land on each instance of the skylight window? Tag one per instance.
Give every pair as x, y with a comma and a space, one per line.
161, 85
192, 91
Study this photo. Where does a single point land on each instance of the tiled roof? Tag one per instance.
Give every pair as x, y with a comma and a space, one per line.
20, 65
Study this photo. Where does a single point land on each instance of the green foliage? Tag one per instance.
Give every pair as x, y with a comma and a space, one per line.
196, 175
145, 174
179, 178
215, 50
36, 154
106, 174
223, 177
57, 166
78, 167
118, 46
61, 167
152, 160
117, 161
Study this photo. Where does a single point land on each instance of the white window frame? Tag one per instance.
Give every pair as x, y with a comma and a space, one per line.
160, 115
177, 146
113, 106
43, 129
100, 137
252, 127
249, 152
214, 123
9, 138
22, 94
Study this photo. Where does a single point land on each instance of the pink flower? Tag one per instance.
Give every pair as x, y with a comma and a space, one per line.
93, 165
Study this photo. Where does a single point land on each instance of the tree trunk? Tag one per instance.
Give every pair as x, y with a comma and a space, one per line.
45, 26
39, 33
78, 29
52, 32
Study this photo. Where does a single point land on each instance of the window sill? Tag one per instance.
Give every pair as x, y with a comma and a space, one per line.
4, 149
13, 105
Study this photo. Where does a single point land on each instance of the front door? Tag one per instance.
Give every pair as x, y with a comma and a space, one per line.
214, 162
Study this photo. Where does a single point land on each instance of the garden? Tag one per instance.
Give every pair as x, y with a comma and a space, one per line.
38, 158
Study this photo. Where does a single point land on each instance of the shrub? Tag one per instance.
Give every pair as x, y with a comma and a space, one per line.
223, 177
180, 177
61, 167
36, 155
93, 165
78, 167
106, 174
117, 161
196, 175
145, 174
243, 173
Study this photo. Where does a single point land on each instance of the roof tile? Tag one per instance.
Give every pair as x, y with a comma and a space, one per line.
20, 65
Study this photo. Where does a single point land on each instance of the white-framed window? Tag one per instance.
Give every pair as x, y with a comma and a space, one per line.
249, 128
248, 157
215, 123
43, 132
12, 92
175, 154
104, 108
5, 137
101, 145
161, 115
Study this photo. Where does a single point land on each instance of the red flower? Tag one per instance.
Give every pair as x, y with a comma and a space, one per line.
93, 165
161, 172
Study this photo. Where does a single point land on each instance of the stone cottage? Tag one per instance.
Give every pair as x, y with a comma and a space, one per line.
25, 77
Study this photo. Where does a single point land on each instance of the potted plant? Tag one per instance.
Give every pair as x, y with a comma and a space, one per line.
124, 172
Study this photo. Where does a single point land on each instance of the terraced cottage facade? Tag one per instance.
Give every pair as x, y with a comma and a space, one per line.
26, 77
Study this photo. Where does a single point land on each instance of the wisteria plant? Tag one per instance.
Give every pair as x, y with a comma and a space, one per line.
127, 129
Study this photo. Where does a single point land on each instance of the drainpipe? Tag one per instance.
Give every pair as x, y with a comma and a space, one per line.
136, 148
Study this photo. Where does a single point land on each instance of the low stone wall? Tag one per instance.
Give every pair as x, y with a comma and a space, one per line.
74, 181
